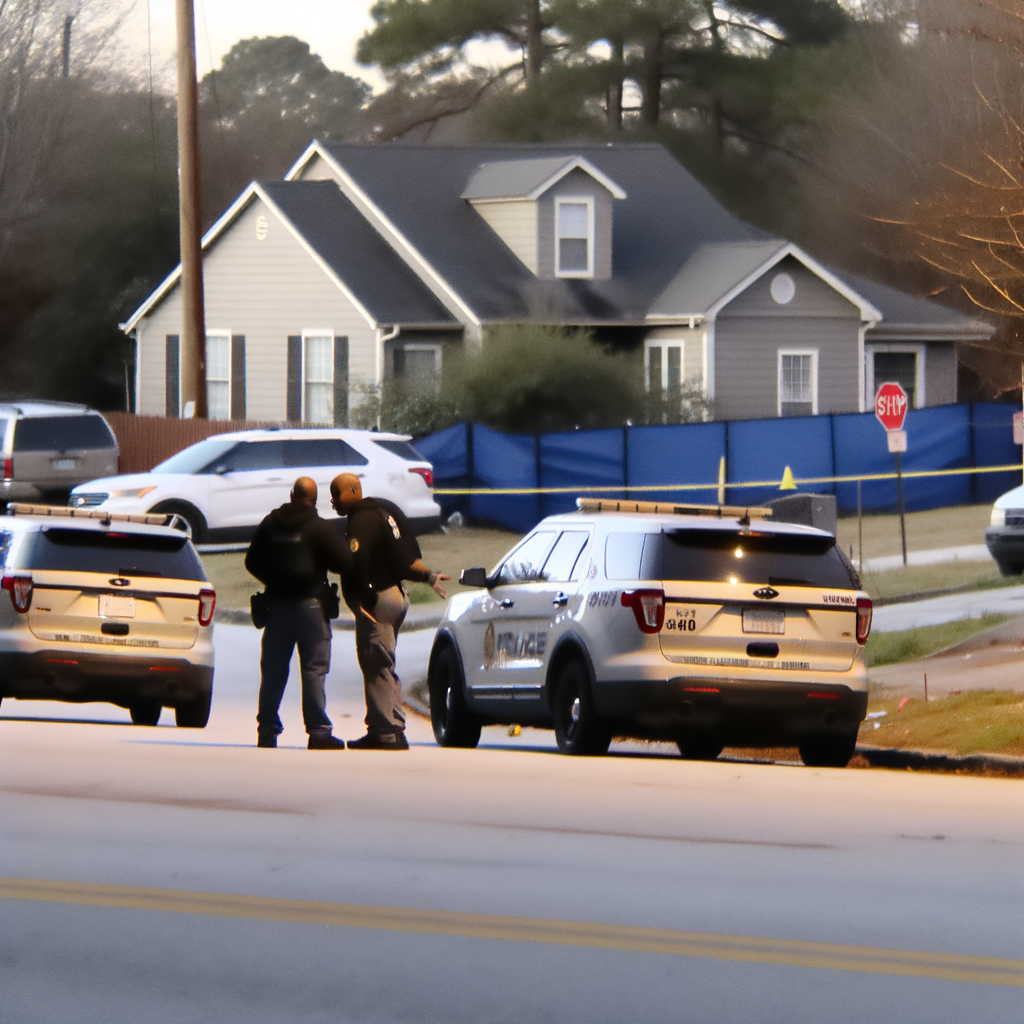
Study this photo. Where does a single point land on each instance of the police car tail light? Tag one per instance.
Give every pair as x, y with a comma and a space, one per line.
207, 602
864, 607
648, 608
8, 469
426, 472
21, 591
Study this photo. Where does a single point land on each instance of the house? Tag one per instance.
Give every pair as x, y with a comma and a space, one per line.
369, 262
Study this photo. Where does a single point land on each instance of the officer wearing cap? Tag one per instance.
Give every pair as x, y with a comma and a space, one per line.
384, 552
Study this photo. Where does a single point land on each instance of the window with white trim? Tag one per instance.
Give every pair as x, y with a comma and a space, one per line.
798, 383
664, 365
318, 378
417, 361
899, 366
574, 236
218, 375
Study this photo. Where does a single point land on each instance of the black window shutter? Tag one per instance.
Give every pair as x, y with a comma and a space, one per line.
340, 380
238, 376
172, 369
294, 378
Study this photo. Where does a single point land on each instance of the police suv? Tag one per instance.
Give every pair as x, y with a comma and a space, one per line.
704, 625
99, 606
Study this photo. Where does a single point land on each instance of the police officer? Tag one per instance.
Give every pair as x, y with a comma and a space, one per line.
384, 552
290, 554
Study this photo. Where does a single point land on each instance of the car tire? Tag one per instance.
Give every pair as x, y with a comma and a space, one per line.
579, 729
831, 751
700, 748
1010, 568
453, 723
145, 712
191, 515
193, 714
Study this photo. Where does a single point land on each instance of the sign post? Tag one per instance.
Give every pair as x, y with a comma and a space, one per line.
891, 411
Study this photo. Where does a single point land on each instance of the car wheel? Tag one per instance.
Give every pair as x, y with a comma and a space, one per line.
191, 515
194, 714
700, 748
1010, 568
145, 712
578, 727
832, 751
454, 724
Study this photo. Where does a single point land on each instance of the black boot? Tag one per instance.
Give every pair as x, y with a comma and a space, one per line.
386, 741
325, 741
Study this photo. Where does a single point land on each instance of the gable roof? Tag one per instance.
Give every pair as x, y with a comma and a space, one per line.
718, 272
529, 179
361, 264
418, 190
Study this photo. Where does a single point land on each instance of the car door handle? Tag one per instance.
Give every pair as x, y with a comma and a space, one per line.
507, 602
560, 598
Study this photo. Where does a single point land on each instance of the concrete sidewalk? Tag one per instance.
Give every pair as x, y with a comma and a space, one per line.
935, 556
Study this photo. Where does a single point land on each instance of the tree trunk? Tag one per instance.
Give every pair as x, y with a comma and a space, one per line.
534, 39
615, 89
651, 71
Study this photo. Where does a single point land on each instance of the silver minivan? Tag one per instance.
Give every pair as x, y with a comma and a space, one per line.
46, 448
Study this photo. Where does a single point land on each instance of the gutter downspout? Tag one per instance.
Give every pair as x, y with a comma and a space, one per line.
382, 337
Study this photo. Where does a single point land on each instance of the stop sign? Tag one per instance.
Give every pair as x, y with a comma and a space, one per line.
891, 406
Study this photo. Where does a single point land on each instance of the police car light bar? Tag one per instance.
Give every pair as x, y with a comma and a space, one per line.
171, 519
662, 508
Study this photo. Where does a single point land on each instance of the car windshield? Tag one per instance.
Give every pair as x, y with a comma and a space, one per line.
196, 456
402, 449
62, 434
113, 554
724, 556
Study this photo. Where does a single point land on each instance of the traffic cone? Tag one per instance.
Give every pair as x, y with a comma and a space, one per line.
788, 483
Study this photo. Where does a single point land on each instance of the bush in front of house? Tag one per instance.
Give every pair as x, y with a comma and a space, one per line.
529, 378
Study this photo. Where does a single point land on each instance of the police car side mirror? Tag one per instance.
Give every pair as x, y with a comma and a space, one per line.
475, 577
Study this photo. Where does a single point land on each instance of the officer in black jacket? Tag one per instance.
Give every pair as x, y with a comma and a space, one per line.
290, 554
384, 552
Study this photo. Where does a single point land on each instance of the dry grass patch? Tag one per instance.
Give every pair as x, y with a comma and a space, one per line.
911, 644
981, 721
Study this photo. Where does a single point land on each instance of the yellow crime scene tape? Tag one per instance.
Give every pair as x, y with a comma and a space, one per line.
791, 483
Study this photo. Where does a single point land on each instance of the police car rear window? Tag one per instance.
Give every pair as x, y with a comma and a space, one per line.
113, 554
724, 556
62, 434
402, 449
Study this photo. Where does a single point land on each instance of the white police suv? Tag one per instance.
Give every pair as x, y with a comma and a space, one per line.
223, 486
706, 626
104, 607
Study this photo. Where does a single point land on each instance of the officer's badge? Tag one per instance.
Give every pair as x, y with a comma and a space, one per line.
353, 545
394, 528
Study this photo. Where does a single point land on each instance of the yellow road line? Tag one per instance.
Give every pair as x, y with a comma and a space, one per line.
825, 956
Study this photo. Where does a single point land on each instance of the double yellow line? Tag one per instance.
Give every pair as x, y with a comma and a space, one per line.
623, 938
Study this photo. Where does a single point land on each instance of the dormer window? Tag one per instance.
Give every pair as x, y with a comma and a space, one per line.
574, 243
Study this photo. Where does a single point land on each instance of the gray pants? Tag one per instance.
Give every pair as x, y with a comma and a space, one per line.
376, 637
294, 624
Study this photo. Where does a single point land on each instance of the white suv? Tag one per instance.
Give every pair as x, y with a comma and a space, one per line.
99, 607
225, 485
706, 626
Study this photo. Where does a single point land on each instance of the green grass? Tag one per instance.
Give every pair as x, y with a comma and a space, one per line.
951, 527
910, 644
979, 721
918, 579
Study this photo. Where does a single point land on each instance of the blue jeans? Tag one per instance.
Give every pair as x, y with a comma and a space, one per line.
294, 624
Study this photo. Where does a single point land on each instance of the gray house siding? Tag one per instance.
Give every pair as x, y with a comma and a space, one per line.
940, 373
575, 183
265, 290
752, 329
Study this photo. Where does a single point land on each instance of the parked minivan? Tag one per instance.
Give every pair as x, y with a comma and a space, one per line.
47, 448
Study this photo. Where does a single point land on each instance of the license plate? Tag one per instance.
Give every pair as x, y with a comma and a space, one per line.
764, 620
117, 606
63, 463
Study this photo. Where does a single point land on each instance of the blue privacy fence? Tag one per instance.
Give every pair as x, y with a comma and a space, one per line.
637, 462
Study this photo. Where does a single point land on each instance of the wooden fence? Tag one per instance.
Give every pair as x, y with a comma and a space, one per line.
145, 441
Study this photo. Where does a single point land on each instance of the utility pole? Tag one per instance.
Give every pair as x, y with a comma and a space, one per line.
193, 333
66, 43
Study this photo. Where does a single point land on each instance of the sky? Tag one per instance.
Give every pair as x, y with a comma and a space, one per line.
331, 27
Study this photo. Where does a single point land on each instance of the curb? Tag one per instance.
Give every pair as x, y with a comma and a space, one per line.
920, 760
427, 618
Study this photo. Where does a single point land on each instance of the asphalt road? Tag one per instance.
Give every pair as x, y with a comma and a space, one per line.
165, 875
